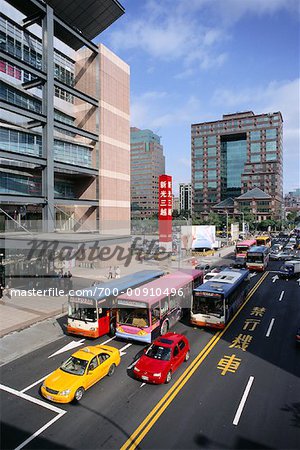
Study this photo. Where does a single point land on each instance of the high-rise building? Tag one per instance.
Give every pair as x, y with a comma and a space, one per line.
147, 163
234, 155
64, 131
185, 196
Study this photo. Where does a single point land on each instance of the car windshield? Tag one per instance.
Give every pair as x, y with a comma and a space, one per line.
75, 366
157, 352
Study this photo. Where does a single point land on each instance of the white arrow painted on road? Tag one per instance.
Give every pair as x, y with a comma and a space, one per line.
298, 281
143, 384
67, 347
276, 277
252, 274
122, 353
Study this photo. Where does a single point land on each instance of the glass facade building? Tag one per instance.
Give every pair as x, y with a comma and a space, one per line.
147, 163
60, 128
234, 155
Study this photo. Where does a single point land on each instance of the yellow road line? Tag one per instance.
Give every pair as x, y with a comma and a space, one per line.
138, 435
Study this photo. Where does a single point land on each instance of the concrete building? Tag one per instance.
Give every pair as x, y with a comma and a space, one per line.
234, 155
64, 131
175, 203
292, 201
185, 196
147, 163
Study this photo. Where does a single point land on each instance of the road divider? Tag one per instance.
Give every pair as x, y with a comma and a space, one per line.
243, 401
138, 435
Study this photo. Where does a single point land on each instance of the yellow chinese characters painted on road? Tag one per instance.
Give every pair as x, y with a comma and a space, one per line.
257, 311
250, 324
229, 364
241, 341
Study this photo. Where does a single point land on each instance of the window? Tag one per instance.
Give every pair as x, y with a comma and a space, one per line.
198, 142
212, 184
255, 157
212, 151
271, 133
255, 147
181, 345
103, 357
211, 140
155, 313
198, 152
211, 164
199, 185
198, 176
175, 351
271, 156
199, 164
255, 135
93, 364
271, 146
212, 174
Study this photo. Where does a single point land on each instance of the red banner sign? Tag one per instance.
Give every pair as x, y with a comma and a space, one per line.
165, 208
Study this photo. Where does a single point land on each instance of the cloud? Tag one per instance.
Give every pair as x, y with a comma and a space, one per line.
276, 96
147, 110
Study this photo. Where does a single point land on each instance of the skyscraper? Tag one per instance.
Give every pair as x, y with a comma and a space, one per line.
234, 155
147, 163
185, 196
65, 133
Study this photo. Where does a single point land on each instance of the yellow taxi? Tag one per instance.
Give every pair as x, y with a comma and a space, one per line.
79, 372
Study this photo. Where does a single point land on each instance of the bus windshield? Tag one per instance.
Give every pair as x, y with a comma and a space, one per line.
137, 317
255, 258
157, 352
242, 248
208, 305
82, 313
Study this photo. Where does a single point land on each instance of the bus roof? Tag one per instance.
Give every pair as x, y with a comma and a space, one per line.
257, 249
263, 236
247, 242
224, 282
172, 281
121, 284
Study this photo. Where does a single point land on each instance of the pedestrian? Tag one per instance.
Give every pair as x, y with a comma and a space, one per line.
110, 273
117, 272
1, 290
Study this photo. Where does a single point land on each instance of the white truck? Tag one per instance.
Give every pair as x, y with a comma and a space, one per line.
290, 268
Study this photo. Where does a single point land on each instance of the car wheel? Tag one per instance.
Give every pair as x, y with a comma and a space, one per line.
111, 370
79, 394
164, 328
169, 377
187, 356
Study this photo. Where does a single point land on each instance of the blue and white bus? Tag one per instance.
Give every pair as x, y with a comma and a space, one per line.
257, 258
215, 302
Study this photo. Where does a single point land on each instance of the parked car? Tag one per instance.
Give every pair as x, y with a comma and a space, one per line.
79, 372
204, 267
159, 362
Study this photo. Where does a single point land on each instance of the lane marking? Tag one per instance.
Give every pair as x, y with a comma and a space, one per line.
133, 364
70, 346
281, 296
40, 430
35, 383
60, 412
270, 327
243, 401
108, 340
138, 435
32, 399
143, 384
122, 353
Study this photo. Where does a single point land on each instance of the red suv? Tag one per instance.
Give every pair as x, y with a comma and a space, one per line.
162, 358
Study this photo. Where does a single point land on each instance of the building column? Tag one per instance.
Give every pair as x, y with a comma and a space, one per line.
48, 129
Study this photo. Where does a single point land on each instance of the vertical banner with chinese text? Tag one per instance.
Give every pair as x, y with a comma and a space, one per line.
165, 211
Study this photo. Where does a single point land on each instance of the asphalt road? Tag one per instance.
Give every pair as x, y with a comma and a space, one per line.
198, 407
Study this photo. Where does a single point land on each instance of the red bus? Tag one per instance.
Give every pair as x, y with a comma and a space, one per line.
92, 311
242, 247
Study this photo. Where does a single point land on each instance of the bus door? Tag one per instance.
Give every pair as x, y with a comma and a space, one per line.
103, 321
155, 320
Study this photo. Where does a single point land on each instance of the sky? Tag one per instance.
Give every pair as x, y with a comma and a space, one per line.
193, 60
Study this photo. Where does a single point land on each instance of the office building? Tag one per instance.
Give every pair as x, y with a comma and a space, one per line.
65, 133
292, 201
147, 163
185, 196
234, 155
